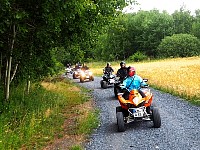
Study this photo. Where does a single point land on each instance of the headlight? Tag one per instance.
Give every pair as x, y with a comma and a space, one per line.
136, 100
82, 73
90, 73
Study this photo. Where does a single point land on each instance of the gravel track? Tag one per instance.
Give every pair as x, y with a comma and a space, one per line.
180, 127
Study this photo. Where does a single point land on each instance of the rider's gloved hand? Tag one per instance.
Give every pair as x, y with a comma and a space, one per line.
145, 86
124, 90
125, 104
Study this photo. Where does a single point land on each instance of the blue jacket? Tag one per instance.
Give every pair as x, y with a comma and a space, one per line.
134, 82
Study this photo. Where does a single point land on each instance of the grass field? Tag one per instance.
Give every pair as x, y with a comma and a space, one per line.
179, 76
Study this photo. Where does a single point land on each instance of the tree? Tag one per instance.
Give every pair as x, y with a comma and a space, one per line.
32, 32
137, 32
182, 21
196, 24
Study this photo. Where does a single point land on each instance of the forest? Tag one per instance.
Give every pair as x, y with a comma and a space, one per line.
39, 37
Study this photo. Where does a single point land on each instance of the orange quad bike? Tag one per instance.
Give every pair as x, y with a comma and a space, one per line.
137, 108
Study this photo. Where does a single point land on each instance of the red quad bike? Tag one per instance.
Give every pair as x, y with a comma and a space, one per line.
136, 108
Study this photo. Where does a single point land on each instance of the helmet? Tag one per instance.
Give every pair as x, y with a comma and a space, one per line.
108, 64
122, 64
131, 71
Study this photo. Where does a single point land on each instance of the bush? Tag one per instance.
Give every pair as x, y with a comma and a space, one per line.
138, 56
179, 45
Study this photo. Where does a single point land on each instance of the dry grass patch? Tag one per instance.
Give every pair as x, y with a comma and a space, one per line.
180, 75
62, 87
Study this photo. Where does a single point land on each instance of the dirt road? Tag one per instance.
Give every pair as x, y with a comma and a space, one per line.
180, 128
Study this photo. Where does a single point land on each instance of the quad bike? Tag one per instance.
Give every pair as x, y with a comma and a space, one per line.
136, 108
68, 70
87, 74
108, 79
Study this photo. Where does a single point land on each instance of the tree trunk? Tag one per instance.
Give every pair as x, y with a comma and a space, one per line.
5, 80
28, 85
8, 69
8, 79
1, 64
14, 72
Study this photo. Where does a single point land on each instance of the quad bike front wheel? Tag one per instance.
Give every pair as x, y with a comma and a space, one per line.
91, 78
115, 92
104, 84
101, 83
120, 122
156, 117
118, 109
81, 79
74, 76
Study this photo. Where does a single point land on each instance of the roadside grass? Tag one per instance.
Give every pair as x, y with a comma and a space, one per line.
178, 76
52, 111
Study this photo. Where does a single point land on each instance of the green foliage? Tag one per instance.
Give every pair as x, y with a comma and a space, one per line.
138, 56
179, 45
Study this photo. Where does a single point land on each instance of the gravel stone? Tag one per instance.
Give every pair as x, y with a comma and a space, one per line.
180, 124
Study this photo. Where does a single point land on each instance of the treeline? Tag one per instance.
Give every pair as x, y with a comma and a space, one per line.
38, 36
150, 34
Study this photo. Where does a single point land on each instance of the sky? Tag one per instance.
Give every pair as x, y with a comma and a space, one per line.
169, 5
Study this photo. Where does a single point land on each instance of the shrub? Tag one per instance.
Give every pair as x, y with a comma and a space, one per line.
138, 56
179, 45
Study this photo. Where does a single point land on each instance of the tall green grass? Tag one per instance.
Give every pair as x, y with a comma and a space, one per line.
86, 125
31, 120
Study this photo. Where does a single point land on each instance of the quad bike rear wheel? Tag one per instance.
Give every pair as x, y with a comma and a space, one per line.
120, 122
156, 117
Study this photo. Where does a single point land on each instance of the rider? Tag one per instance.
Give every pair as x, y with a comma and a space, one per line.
122, 72
84, 67
133, 81
108, 69
68, 65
